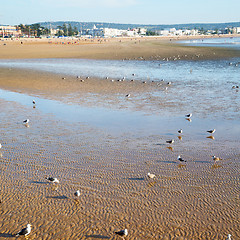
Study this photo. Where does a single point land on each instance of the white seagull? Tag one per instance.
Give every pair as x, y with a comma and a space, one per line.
211, 131
26, 121
180, 131
122, 233
25, 231
33, 101
216, 158
128, 95
180, 159
188, 115
0, 145
77, 193
150, 175
229, 237
53, 180
170, 141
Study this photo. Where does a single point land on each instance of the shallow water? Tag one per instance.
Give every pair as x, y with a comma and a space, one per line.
205, 83
124, 121
229, 42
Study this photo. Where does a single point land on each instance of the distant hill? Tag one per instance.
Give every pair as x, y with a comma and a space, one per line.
89, 25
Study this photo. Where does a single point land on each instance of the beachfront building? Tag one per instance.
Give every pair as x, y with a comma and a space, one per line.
175, 32
9, 31
236, 30
113, 32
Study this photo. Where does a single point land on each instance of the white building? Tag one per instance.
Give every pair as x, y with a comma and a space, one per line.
236, 30
9, 31
113, 32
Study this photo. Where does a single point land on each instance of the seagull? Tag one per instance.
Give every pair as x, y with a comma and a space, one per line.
188, 115
128, 95
77, 193
229, 237
180, 159
216, 158
26, 121
211, 131
180, 131
170, 141
122, 233
53, 180
150, 175
33, 101
25, 231
0, 145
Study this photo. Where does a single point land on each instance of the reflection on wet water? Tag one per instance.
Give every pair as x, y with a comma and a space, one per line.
228, 42
137, 122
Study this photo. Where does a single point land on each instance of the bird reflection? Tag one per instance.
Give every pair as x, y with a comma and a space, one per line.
26, 125
215, 166
77, 201
170, 148
189, 119
180, 138
181, 165
151, 184
211, 137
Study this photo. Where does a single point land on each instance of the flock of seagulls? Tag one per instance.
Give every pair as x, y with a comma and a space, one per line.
122, 233
180, 131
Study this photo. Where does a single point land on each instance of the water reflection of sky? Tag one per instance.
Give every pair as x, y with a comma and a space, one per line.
202, 86
143, 70
194, 82
232, 42
125, 121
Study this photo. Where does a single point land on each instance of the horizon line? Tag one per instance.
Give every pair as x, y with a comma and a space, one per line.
123, 23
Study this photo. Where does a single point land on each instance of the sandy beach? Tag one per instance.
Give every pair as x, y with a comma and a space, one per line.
123, 48
197, 199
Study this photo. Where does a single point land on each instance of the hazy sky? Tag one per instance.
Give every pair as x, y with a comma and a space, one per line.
120, 11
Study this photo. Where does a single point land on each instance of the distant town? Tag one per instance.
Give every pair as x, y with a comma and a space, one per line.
66, 30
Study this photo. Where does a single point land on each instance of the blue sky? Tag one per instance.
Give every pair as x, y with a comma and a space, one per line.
120, 11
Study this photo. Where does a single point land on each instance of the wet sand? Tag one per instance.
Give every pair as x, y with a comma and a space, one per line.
195, 200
